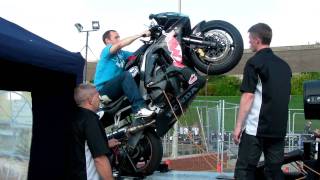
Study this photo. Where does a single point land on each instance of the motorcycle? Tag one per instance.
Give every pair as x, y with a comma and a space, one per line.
169, 70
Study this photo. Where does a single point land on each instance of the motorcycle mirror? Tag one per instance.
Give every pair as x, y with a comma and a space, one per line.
153, 23
151, 16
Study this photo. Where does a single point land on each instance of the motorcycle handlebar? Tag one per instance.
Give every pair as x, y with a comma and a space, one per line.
155, 31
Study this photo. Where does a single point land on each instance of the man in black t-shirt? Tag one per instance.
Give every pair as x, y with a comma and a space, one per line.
263, 112
89, 149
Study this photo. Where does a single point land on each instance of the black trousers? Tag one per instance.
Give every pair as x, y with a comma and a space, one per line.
250, 150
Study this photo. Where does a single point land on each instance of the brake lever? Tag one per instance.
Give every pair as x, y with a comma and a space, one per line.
144, 41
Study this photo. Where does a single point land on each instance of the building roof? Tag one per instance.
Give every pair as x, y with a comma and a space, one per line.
302, 58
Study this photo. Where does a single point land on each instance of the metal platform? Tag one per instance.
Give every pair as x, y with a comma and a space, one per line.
184, 175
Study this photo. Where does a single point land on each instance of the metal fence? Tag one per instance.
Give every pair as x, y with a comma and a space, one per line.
207, 127
15, 134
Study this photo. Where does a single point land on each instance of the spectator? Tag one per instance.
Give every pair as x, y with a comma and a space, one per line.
90, 150
263, 108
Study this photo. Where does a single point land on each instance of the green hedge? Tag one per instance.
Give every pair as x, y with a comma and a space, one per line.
221, 85
224, 85
298, 79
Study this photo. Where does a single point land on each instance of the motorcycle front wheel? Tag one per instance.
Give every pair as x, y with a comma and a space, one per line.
145, 158
222, 57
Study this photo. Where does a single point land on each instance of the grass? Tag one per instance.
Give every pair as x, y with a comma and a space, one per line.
192, 114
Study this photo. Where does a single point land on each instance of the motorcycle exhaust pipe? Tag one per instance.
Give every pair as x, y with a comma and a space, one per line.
135, 129
137, 132
119, 134
199, 42
123, 133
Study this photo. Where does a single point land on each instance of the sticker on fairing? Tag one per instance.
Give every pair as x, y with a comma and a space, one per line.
193, 78
134, 71
175, 49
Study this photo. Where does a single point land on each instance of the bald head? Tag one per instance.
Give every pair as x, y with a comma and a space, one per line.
84, 92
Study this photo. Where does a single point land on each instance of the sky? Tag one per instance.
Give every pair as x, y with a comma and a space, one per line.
294, 22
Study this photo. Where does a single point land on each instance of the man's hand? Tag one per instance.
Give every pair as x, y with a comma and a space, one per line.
236, 135
317, 133
146, 33
113, 143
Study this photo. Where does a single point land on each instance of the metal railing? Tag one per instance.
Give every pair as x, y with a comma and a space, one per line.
15, 134
215, 121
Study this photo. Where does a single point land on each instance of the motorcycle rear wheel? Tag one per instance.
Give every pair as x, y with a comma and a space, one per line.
225, 55
146, 157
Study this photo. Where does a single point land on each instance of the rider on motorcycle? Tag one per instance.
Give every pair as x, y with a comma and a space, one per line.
111, 80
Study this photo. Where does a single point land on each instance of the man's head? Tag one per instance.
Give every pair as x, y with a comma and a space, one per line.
87, 96
110, 37
260, 36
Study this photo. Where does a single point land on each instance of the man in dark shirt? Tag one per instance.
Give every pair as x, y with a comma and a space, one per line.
263, 111
90, 151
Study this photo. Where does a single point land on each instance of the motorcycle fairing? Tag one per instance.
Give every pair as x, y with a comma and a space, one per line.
175, 49
166, 119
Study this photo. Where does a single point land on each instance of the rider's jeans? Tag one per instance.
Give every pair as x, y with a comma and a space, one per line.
124, 84
250, 150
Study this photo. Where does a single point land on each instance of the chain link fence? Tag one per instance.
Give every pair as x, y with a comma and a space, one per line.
206, 127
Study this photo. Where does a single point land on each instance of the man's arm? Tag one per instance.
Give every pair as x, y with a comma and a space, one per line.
317, 133
126, 41
103, 167
245, 105
97, 146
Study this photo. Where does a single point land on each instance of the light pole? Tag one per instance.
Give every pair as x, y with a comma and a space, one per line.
95, 27
175, 138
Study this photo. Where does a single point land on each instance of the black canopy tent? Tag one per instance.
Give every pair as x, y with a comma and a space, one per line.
31, 63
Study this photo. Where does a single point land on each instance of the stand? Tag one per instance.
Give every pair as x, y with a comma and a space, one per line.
86, 46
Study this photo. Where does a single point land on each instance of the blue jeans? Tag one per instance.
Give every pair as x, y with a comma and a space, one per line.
124, 84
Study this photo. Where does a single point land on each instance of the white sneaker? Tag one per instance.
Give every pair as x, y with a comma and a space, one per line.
144, 112
105, 99
100, 114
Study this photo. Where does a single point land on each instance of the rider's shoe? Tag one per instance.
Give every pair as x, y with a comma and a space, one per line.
100, 114
105, 99
144, 113
149, 84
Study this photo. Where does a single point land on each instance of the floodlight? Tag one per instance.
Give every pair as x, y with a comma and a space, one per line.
79, 27
95, 25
